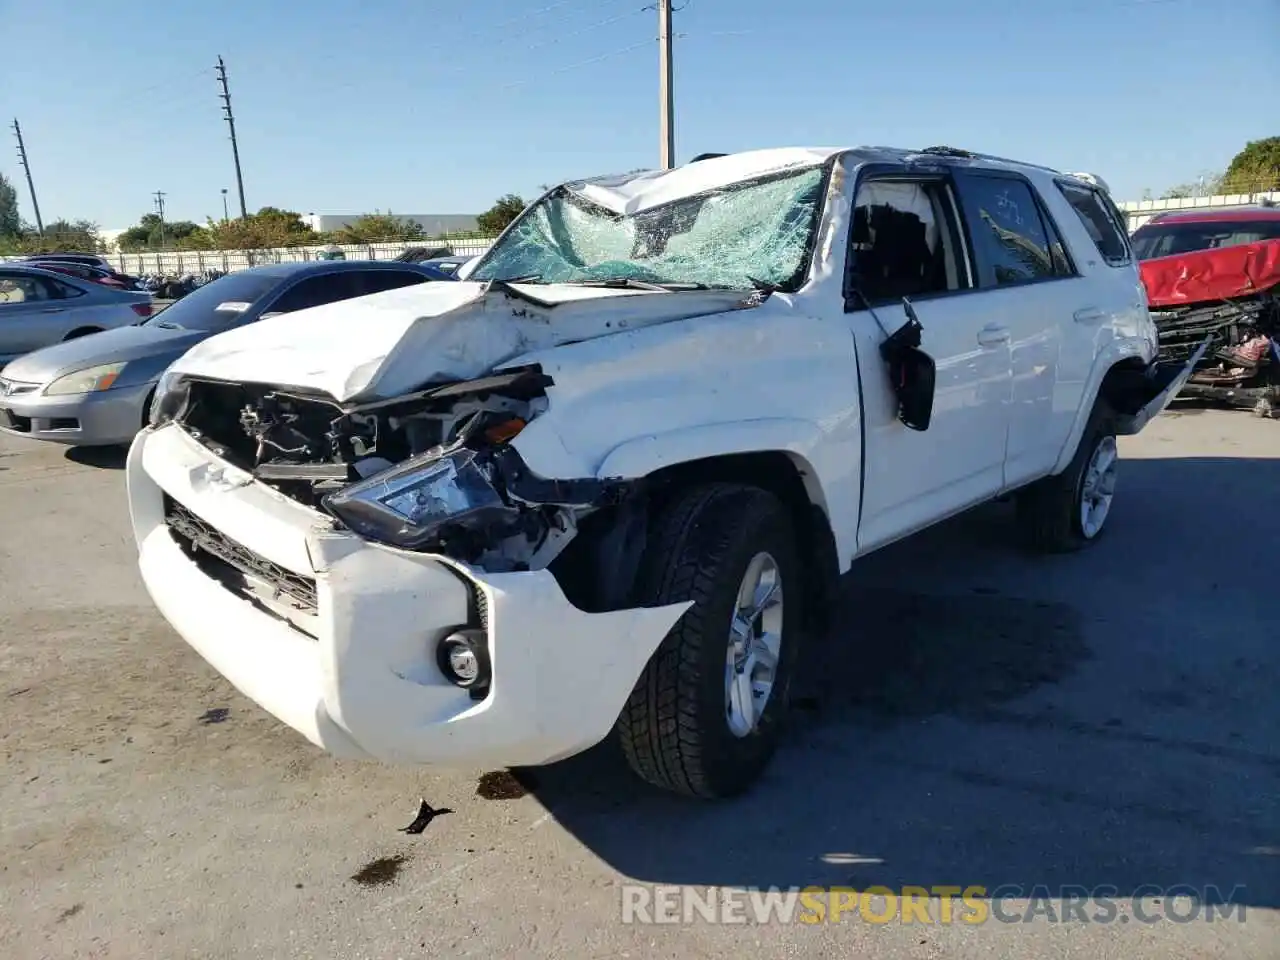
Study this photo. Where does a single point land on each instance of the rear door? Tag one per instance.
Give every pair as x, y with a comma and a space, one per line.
34, 312
1032, 290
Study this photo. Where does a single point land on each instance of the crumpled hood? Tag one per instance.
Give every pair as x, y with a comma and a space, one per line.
391, 343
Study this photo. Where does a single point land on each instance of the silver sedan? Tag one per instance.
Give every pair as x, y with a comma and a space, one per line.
40, 307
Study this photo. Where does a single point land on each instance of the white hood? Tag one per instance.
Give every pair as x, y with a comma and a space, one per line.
392, 343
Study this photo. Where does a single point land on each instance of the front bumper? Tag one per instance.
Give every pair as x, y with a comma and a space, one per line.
357, 674
86, 419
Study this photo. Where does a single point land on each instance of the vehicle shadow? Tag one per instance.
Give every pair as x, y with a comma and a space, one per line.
978, 716
107, 458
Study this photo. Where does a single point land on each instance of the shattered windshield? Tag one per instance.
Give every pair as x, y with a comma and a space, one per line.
739, 236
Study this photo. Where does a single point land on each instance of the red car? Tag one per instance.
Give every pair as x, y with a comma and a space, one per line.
85, 272
1218, 272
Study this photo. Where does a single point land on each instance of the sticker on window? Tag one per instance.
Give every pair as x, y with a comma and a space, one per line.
233, 306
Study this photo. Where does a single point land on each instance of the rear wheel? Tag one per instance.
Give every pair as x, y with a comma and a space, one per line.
704, 717
1066, 512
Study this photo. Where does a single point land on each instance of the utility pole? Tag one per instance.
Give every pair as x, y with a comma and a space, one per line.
666, 86
159, 195
26, 167
225, 96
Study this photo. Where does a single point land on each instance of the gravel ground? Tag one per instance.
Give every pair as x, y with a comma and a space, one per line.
979, 718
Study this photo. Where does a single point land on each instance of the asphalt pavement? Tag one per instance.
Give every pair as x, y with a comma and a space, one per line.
979, 718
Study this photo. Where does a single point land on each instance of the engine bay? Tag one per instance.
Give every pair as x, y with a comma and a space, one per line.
432, 470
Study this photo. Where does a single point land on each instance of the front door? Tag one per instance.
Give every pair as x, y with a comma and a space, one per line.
906, 242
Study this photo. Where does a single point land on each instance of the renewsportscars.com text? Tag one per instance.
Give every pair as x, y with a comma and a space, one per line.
938, 905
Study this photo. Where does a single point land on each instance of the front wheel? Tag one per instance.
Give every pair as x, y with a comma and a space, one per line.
704, 717
1066, 512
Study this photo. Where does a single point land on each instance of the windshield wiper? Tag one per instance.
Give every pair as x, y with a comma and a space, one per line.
631, 283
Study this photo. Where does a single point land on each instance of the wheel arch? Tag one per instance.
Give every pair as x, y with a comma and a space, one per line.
767, 454
1113, 374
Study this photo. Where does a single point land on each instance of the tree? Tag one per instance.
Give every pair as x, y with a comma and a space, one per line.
1256, 168
64, 236
379, 226
1206, 185
151, 234
10, 220
269, 227
494, 220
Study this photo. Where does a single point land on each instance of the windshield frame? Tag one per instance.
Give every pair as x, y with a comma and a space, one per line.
793, 284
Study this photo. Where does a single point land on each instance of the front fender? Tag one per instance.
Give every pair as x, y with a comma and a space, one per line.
642, 455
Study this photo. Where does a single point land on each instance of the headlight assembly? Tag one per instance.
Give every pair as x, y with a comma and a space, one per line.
89, 380
170, 396
408, 505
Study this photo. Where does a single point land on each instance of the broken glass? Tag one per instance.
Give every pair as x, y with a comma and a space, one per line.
733, 237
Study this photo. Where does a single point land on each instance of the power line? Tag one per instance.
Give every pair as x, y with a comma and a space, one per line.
225, 96
26, 168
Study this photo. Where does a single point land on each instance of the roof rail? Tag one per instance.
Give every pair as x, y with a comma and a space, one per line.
707, 156
970, 155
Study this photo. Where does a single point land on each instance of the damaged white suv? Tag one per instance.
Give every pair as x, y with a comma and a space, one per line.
605, 484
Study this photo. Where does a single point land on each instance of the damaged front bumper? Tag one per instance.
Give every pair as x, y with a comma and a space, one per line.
338, 637
1147, 393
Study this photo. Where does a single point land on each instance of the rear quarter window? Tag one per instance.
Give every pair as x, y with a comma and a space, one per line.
1100, 220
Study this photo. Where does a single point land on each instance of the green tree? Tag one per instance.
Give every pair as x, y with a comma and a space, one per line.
1254, 169
494, 220
64, 236
151, 234
269, 227
10, 220
379, 226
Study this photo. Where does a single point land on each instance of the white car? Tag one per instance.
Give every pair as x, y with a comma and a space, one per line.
606, 483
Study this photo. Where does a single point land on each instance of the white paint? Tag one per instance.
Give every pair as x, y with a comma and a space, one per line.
390, 343
641, 381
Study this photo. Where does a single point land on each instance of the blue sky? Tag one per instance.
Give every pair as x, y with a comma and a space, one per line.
417, 107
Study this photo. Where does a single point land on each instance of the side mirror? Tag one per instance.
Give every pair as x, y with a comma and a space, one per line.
912, 372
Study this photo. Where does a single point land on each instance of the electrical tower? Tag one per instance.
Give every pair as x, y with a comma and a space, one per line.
225, 97
26, 168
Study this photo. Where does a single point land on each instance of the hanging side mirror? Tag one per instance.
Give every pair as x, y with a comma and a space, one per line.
912, 372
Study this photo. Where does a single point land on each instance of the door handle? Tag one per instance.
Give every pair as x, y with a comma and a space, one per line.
55, 310
1090, 315
993, 335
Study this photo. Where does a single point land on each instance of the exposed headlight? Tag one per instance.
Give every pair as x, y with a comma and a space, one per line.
170, 395
413, 503
89, 380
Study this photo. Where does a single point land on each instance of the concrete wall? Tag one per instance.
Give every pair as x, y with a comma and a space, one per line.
1140, 211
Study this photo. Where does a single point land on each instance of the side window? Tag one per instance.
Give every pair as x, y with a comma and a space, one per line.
316, 291
1011, 243
18, 288
1099, 220
375, 281
63, 291
903, 242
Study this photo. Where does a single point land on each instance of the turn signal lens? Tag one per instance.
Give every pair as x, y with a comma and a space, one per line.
502, 432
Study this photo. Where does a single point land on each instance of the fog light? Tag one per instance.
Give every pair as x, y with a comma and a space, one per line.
463, 657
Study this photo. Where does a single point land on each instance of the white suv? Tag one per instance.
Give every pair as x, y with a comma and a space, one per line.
607, 483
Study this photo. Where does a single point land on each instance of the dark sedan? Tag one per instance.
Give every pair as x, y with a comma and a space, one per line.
95, 390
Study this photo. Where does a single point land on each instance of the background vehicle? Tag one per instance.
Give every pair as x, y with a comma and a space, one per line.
108, 278
92, 259
95, 390
39, 307
621, 467
1217, 273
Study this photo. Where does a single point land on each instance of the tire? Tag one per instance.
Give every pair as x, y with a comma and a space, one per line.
675, 729
1051, 511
